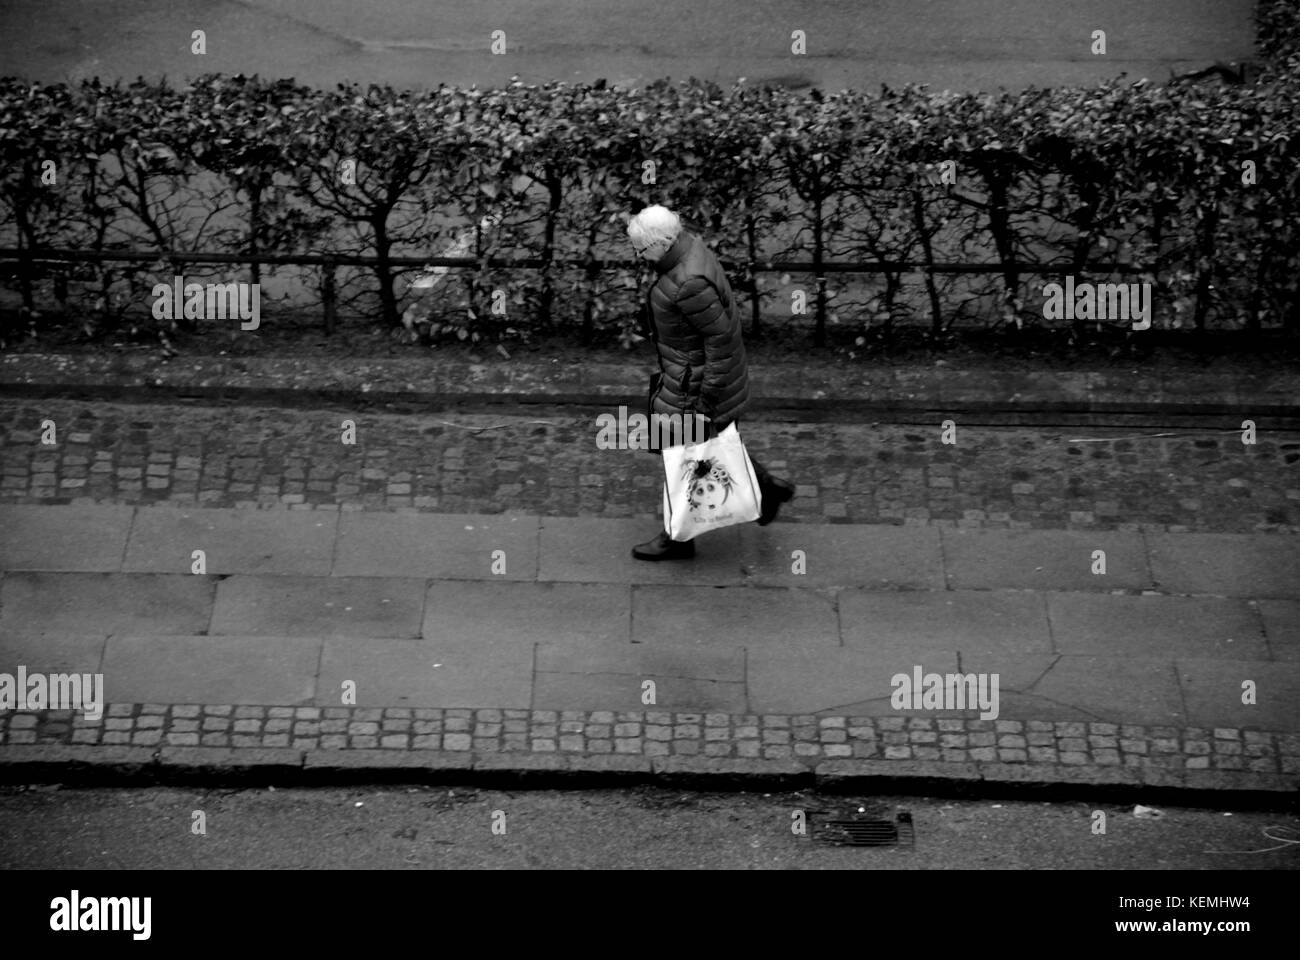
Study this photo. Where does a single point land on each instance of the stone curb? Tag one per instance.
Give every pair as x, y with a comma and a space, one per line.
268, 759
727, 771
127, 766
491, 746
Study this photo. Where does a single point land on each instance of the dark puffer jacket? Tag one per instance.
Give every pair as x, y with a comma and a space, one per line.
696, 329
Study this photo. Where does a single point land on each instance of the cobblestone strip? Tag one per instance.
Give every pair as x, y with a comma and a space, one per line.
998, 478
803, 738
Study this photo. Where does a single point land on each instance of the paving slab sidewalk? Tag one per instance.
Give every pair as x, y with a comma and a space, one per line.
527, 643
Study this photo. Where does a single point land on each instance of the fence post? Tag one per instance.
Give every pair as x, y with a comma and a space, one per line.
61, 288
255, 216
819, 331
328, 294
178, 309
26, 268
751, 276
25, 264
1205, 249
592, 274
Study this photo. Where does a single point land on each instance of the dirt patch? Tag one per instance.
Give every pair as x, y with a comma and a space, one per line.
1025, 350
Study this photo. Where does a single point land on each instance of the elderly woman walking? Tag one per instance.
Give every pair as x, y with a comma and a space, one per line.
696, 331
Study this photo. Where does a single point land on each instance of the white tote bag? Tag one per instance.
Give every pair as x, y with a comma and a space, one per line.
709, 486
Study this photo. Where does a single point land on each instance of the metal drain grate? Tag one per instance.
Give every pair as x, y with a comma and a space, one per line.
853, 829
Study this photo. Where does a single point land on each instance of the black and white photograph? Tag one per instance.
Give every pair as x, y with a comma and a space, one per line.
596, 435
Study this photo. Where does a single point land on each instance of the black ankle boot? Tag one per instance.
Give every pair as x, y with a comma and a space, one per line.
775, 493
663, 547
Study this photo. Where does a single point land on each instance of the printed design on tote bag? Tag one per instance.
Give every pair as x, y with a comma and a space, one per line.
708, 485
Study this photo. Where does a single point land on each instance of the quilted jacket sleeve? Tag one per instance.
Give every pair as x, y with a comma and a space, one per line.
702, 307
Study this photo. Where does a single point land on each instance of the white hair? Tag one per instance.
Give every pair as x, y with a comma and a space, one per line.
654, 224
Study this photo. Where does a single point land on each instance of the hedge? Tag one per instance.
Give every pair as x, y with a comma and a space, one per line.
1196, 188
1277, 26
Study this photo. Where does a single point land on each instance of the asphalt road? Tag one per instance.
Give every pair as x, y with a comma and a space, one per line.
957, 44
432, 828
